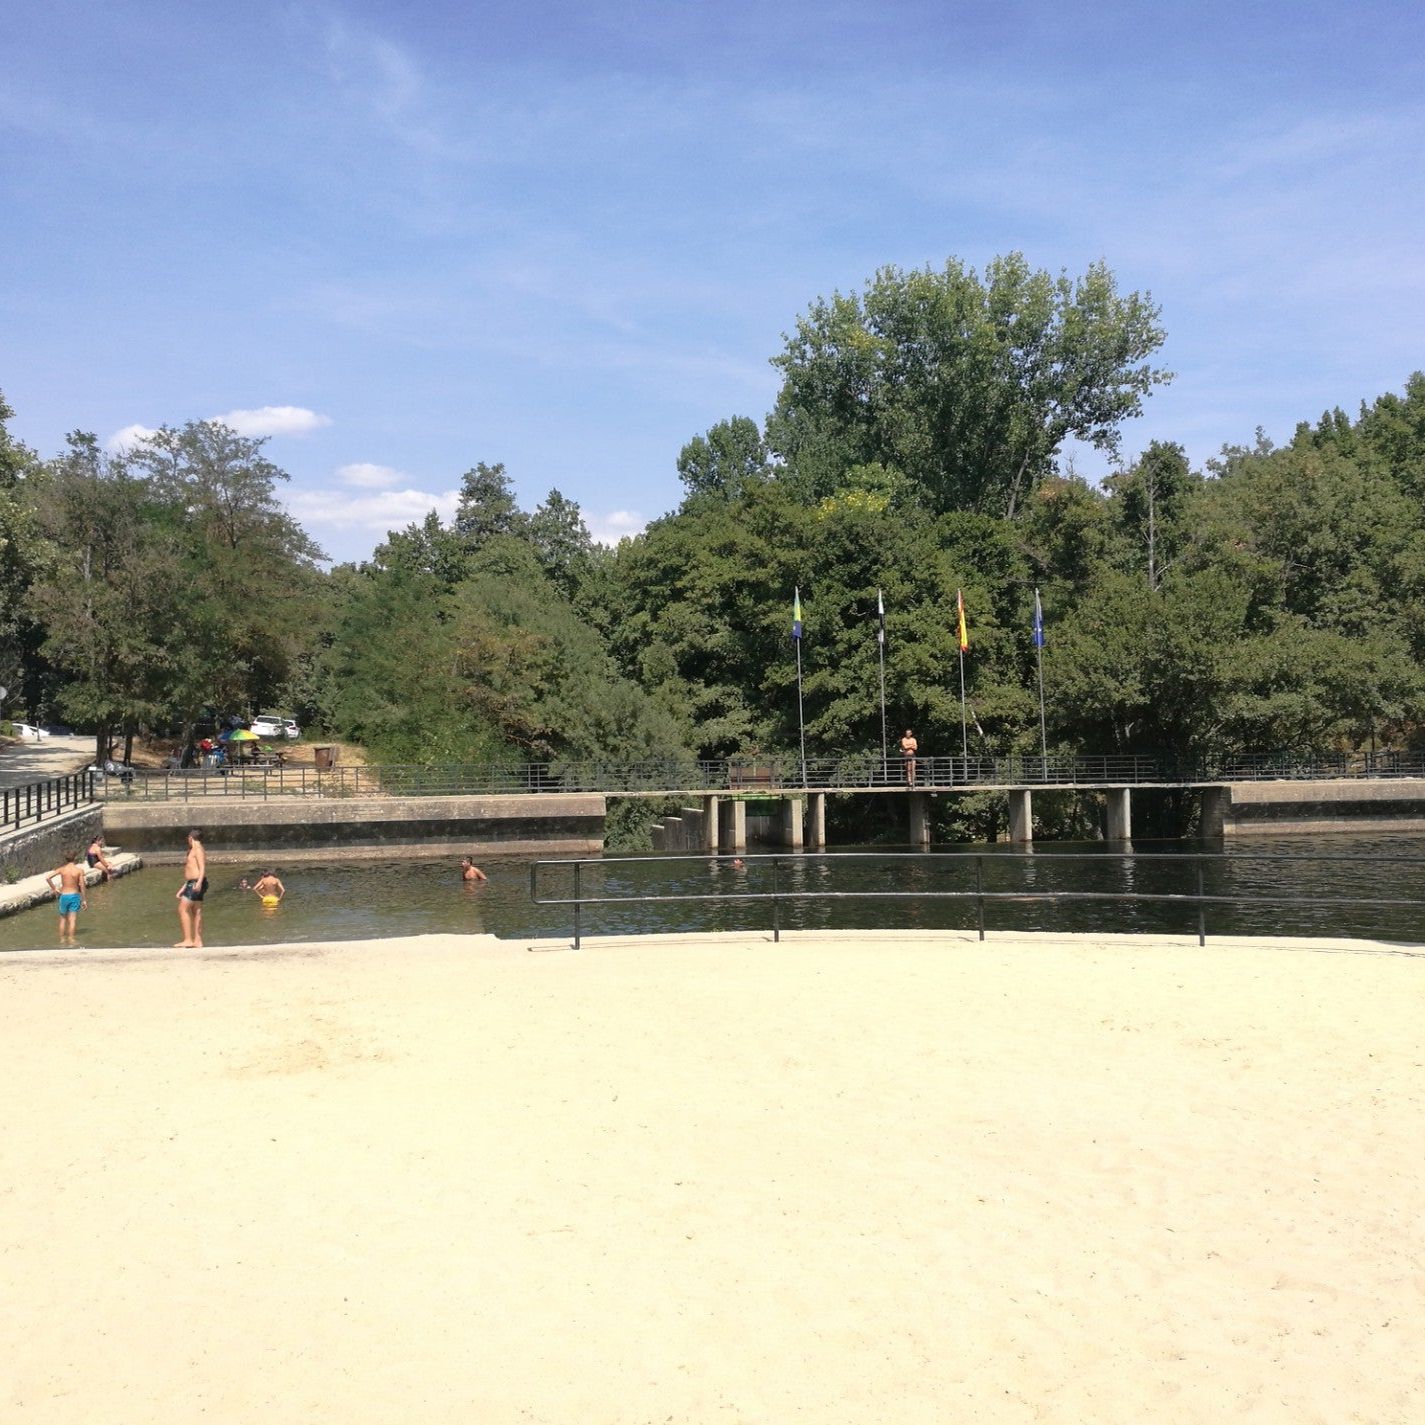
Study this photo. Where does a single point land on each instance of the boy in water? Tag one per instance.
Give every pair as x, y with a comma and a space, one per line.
268, 888
469, 871
191, 893
72, 900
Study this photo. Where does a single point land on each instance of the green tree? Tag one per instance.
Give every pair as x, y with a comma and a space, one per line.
487, 506
562, 543
723, 463
969, 386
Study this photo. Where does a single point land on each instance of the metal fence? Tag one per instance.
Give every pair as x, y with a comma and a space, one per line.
34, 801
747, 776
779, 892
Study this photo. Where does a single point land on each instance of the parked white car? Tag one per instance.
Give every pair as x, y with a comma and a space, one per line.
270, 725
28, 732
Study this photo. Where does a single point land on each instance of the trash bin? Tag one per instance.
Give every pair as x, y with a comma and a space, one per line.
326, 758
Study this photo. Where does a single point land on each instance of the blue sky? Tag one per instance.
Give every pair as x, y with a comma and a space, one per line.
406, 237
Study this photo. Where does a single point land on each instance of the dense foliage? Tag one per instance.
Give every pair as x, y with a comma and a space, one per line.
1272, 601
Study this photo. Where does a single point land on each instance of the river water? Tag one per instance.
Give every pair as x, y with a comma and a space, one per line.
351, 900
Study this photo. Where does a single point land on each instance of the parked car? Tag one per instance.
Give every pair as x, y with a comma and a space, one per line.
58, 729
271, 725
28, 732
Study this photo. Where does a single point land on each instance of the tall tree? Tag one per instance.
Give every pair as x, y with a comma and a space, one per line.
969, 386
722, 464
487, 506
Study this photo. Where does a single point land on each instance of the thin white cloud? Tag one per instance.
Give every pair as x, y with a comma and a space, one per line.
274, 420
125, 439
379, 512
366, 476
616, 525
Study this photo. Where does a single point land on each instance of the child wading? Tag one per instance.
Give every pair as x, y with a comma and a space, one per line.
70, 878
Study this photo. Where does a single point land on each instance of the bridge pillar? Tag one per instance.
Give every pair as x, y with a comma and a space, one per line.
919, 818
1213, 819
816, 825
1120, 817
1021, 816
734, 825
712, 830
793, 810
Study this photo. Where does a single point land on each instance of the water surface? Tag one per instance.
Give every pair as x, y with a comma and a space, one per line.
351, 900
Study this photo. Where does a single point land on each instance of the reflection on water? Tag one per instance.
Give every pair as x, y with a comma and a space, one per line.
354, 900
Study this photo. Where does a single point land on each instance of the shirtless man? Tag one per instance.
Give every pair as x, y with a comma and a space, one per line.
190, 894
268, 889
469, 871
94, 855
72, 899
909, 747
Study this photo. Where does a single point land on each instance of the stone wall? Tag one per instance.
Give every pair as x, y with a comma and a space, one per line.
554, 823
35, 849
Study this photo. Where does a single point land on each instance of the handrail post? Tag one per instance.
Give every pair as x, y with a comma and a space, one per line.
578, 866
980, 894
1201, 908
776, 906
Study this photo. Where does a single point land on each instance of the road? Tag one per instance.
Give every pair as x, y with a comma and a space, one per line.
22, 762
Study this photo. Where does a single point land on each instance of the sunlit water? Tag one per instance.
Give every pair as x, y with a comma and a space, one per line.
353, 900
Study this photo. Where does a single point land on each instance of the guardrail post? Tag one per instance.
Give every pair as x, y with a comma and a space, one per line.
776, 906
1201, 909
980, 895
578, 866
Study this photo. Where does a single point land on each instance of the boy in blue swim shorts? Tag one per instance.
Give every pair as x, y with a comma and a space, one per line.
68, 880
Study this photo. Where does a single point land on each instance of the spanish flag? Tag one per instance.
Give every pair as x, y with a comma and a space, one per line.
960, 607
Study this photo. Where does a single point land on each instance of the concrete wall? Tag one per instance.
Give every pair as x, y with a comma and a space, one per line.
555, 823
1281, 808
39, 848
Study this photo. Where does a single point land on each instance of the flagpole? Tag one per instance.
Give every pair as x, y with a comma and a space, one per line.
963, 640
801, 717
1039, 657
881, 646
964, 735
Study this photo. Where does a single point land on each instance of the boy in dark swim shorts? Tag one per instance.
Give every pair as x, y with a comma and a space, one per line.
190, 894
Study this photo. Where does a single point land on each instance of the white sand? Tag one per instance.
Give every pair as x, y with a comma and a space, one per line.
872, 1179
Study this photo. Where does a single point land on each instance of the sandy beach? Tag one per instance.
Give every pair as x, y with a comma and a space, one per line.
870, 1178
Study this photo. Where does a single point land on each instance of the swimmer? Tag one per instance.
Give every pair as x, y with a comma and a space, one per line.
71, 895
269, 890
469, 871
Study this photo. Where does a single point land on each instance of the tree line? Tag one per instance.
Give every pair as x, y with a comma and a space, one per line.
1273, 600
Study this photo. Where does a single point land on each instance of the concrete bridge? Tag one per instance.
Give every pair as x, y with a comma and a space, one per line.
559, 808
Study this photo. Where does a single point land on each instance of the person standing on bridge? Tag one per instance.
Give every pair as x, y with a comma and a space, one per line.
909, 747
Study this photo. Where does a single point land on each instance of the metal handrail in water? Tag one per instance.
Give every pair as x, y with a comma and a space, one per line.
977, 859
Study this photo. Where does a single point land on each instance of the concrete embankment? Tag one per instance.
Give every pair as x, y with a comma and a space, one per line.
35, 890
556, 823
1282, 807
39, 847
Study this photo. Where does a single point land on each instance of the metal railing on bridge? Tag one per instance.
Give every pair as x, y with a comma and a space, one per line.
779, 880
735, 776
747, 776
49, 797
